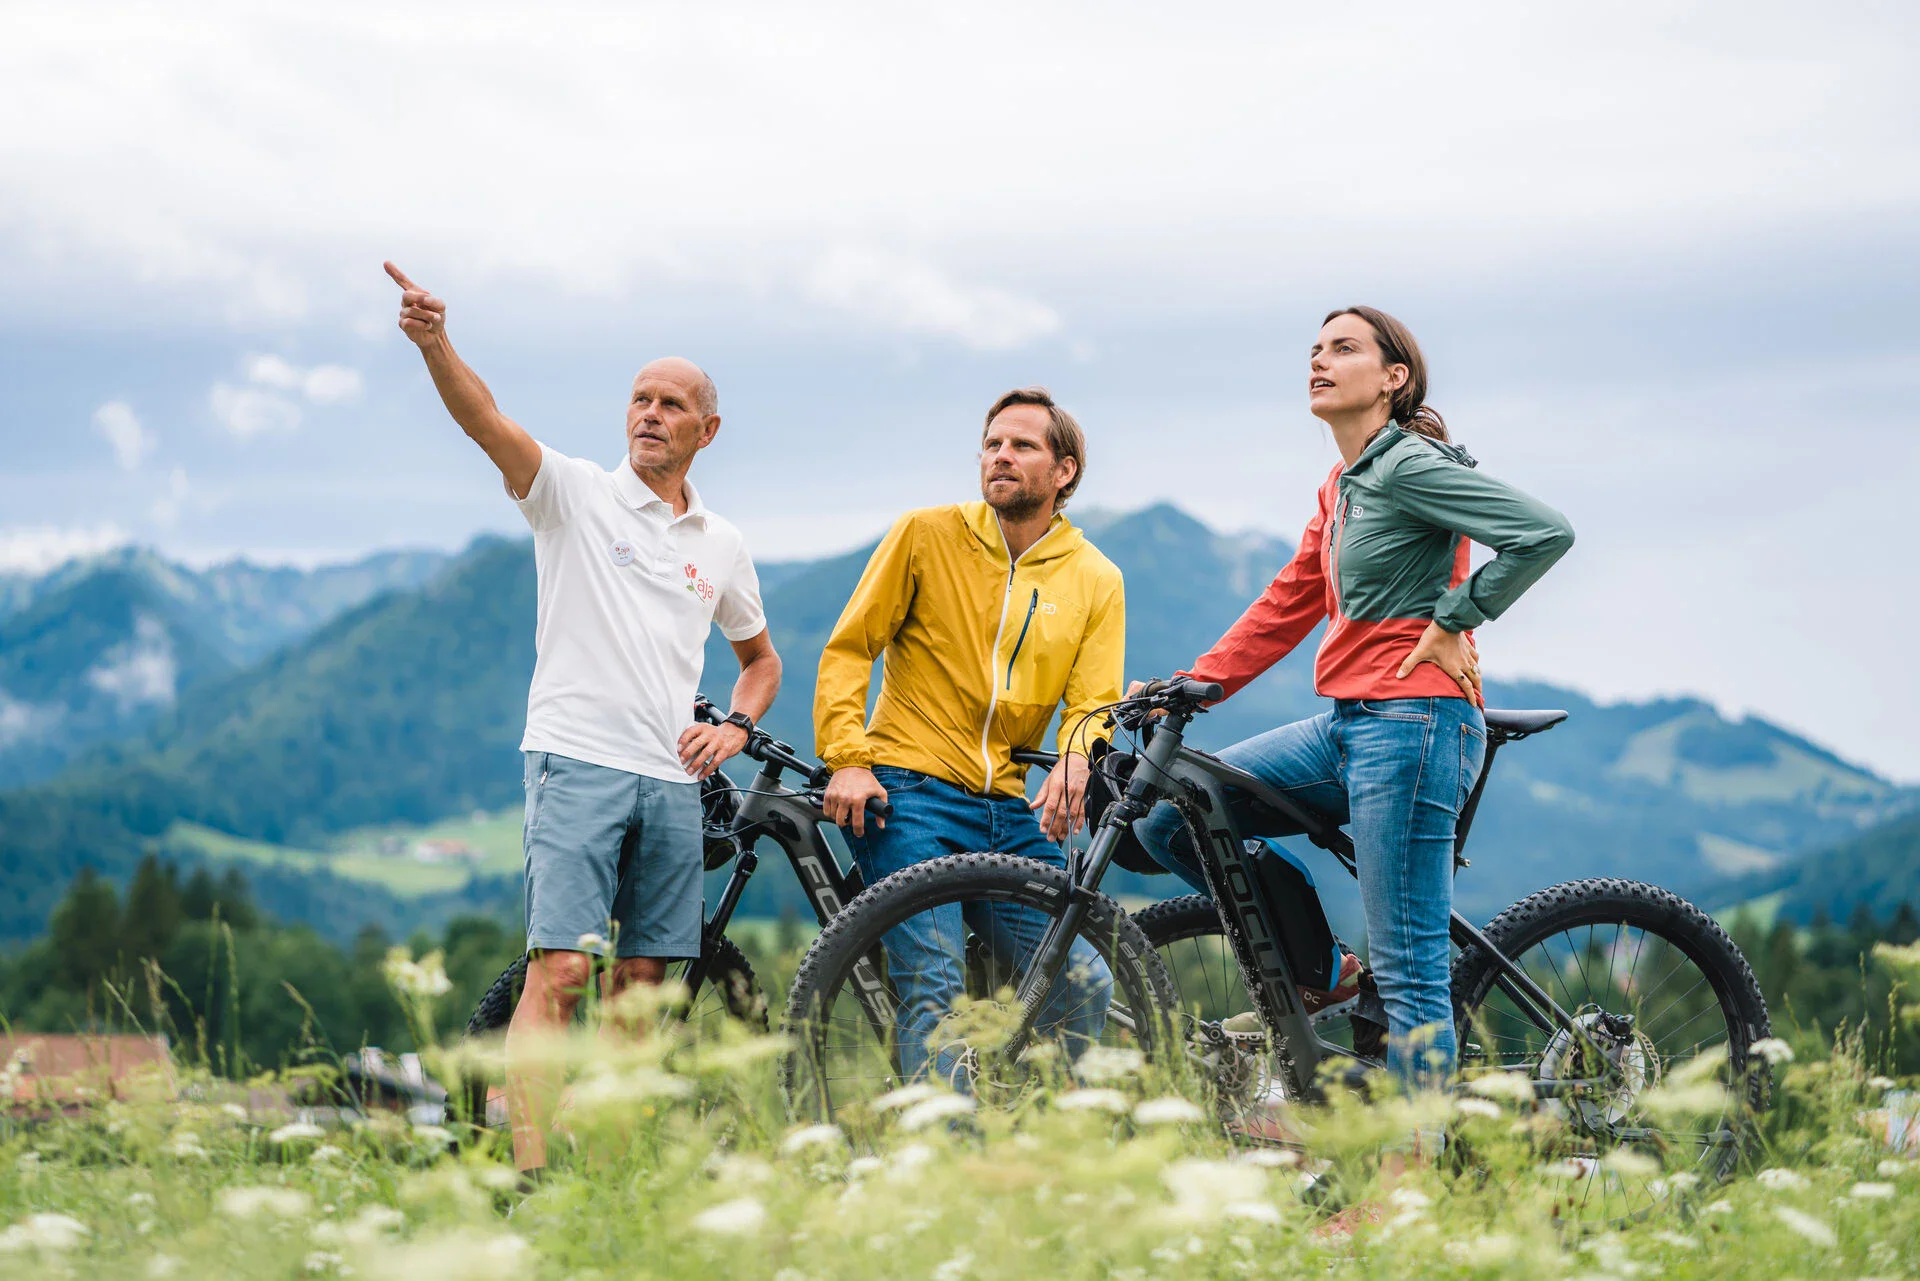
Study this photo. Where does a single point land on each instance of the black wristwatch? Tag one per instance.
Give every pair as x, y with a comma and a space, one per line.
740, 719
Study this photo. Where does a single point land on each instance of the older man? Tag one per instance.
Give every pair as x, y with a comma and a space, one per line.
633, 572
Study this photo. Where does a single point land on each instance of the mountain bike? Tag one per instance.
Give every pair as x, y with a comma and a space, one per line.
1591, 1022
720, 982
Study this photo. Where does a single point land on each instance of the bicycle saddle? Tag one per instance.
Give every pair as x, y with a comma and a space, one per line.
1518, 724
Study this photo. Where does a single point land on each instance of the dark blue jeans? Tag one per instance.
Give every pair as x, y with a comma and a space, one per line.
1396, 773
926, 954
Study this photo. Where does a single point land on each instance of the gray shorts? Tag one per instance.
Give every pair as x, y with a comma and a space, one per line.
613, 854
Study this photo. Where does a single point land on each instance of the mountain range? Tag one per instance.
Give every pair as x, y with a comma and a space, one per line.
304, 705
97, 649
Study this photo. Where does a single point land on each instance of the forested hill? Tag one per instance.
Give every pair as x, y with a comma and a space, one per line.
409, 707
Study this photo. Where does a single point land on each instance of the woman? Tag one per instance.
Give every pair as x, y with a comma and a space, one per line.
1385, 559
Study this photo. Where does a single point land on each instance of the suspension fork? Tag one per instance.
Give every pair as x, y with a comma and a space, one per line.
1051, 956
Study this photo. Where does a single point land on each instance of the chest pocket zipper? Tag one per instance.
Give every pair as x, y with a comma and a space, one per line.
1032, 605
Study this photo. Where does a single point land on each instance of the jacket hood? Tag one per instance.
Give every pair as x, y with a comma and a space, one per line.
1062, 535
1392, 434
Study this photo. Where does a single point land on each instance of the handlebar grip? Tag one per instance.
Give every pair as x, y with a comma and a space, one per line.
1204, 691
705, 711
879, 808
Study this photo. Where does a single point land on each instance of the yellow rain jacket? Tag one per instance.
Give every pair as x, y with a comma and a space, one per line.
980, 651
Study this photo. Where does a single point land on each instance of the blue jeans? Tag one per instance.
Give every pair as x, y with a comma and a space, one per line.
1396, 772
926, 953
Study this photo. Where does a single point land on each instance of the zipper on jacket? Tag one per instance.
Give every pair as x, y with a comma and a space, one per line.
1032, 605
993, 658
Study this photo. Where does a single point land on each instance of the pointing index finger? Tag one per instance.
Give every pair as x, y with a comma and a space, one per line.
400, 277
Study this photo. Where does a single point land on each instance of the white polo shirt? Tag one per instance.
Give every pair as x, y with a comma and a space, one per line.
628, 593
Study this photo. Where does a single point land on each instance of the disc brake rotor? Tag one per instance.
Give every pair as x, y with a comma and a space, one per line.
1634, 1067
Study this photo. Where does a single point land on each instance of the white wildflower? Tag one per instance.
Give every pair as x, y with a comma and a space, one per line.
371, 1224
185, 1146
161, 1266
144, 1199
48, 1232
1205, 1190
1168, 1110
1487, 1251
861, 1166
955, 1268
1269, 1158
1806, 1225
1719, 1207
1683, 1181
1511, 1086
908, 1161
1092, 1101
594, 943
1573, 1167
1678, 1240
234, 1110
1773, 1050
1102, 1063
424, 979
813, 1136
322, 1261
325, 1153
1779, 1180
1893, 1169
1881, 1083
1478, 1107
437, 1136
905, 1097
1629, 1164
1409, 1199
1871, 1191
296, 1130
739, 1217
248, 1202
938, 1108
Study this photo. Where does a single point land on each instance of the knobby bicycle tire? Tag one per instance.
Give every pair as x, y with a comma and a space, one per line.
1654, 913
1141, 988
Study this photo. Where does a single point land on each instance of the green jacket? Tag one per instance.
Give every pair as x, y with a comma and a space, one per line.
1386, 553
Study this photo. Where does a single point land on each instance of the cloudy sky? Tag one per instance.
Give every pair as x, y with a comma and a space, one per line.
1662, 259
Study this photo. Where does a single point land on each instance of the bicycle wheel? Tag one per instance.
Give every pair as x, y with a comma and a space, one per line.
840, 1060
731, 991
1207, 982
1656, 984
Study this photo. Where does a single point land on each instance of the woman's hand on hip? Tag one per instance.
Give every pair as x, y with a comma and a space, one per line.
1453, 653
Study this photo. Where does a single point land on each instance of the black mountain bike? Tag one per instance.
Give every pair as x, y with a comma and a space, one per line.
720, 983
1594, 992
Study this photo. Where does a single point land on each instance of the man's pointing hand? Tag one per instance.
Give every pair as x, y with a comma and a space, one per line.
422, 316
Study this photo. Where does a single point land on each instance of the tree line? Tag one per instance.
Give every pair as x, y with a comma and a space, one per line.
195, 957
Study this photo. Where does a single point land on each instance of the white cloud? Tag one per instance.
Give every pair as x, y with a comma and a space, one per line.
249, 412
131, 441
1075, 141
915, 297
141, 670
166, 508
321, 384
35, 549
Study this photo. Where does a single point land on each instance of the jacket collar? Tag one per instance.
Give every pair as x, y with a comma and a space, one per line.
634, 493
984, 523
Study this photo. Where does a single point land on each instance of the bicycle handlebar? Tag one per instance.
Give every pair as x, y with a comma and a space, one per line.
768, 750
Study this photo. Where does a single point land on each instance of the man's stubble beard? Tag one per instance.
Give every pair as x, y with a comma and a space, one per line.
1024, 505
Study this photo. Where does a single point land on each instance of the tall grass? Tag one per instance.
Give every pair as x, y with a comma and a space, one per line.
678, 1160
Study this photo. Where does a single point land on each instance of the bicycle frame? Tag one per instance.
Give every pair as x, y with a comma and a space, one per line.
792, 821
1197, 783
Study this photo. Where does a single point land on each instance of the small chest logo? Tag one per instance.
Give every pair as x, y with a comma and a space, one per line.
1359, 511
620, 552
700, 587
1049, 608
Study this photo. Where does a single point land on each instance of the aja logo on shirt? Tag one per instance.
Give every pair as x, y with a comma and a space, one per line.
699, 586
